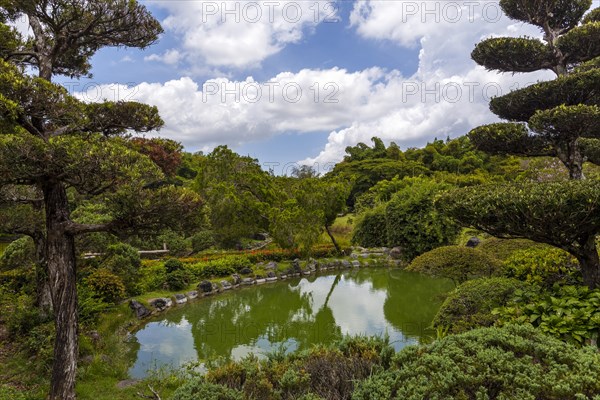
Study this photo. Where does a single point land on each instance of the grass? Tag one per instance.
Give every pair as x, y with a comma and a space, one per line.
341, 230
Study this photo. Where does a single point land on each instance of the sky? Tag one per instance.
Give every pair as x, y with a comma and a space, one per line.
298, 81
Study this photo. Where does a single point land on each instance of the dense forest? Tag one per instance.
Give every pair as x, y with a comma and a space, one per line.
97, 218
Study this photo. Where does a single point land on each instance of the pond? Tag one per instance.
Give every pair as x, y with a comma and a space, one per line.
292, 314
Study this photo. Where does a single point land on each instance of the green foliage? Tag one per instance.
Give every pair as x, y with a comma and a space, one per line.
370, 230
152, 277
571, 313
458, 263
562, 15
513, 54
172, 265
202, 241
413, 223
221, 267
178, 279
8, 392
199, 389
124, 261
176, 243
502, 249
513, 362
18, 254
543, 266
106, 285
567, 122
90, 304
509, 138
471, 304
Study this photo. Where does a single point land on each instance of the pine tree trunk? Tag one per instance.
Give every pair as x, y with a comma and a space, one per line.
337, 247
590, 264
43, 298
60, 250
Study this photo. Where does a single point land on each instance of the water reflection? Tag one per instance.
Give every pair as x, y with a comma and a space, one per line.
295, 314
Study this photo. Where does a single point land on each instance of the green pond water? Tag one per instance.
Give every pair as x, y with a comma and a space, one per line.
295, 314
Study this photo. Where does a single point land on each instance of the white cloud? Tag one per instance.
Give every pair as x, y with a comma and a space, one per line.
169, 57
239, 33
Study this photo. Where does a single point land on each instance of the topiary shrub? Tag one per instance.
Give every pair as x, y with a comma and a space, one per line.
18, 254
412, 221
173, 264
124, 261
178, 279
502, 249
203, 240
106, 285
370, 230
200, 389
513, 362
543, 266
455, 262
470, 305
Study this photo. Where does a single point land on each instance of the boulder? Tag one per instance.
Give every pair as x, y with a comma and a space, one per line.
161, 303
205, 287
346, 264
180, 299
236, 279
312, 264
246, 271
296, 269
139, 309
396, 252
473, 242
271, 274
247, 281
192, 295
260, 280
226, 285
353, 255
356, 264
272, 265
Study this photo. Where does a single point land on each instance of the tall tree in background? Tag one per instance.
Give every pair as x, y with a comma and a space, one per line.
557, 118
51, 143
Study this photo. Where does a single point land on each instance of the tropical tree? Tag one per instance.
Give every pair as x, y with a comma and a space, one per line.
52, 144
548, 118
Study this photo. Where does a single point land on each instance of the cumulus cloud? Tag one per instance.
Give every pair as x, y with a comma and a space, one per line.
169, 57
239, 33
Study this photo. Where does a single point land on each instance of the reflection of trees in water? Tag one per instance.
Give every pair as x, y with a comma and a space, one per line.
275, 313
412, 301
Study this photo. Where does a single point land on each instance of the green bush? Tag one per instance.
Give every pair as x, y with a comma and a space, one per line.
173, 264
458, 263
370, 230
413, 223
202, 241
18, 280
124, 261
178, 279
24, 317
470, 305
18, 254
176, 243
502, 249
152, 277
220, 267
199, 389
513, 362
571, 313
106, 285
543, 266
89, 304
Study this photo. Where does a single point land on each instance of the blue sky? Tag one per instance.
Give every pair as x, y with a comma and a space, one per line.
300, 86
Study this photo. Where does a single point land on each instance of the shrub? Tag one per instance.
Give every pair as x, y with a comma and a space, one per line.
513, 362
455, 262
202, 240
152, 277
178, 279
502, 249
176, 244
199, 389
470, 305
370, 228
571, 313
220, 267
413, 223
124, 261
89, 304
18, 254
18, 280
544, 266
106, 285
173, 264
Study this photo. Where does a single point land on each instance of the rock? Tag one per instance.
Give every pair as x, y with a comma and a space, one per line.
205, 287
307, 272
161, 303
296, 266
260, 281
364, 255
271, 274
312, 265
215, 287
385, 250
396, 253
353, 255
192, 295
139, 309
356, 264
180, 299
246, 271
127, 383
247, 281
346, 264
283, 276
473, 242
271, 265
226, 285
260, 236
236, 279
